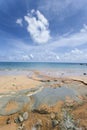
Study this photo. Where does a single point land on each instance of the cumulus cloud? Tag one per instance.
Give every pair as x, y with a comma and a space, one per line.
19, 21
38, 26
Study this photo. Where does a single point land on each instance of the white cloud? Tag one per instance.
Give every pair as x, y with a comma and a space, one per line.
42, 18
75, 55
19, 21
84, 30
53, 51
76, 51
24, 52
25, 57
61, 8
38, 27
31, 56
57, 57
71, 40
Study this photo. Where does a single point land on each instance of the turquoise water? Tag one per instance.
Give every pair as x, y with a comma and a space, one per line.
40, 65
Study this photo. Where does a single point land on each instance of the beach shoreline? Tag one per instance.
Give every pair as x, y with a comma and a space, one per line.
31, 79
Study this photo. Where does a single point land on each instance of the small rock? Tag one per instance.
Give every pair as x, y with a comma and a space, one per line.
25, 115
84, 74
22, 127
16, 121
38, 125
40, 122
19, 128
20, 118
52, 115
54, 123
8, 121
41, 111
48, 80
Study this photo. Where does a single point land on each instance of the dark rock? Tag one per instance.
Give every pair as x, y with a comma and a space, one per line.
54, 123
81, 63
84, 74
41, 111
55, 80
16, 121
48, 80
8, 121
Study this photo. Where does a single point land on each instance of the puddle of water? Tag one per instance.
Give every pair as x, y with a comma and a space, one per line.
50, 96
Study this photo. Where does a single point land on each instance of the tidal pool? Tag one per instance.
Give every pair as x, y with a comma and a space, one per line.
50, 95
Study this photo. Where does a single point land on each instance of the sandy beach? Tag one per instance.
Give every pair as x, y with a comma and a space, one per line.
41, 115
11, 83
16, 83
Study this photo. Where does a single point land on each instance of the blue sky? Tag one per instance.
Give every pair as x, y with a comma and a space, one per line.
49, 30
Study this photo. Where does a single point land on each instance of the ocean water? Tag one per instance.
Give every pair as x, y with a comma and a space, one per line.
8, 67
40, 65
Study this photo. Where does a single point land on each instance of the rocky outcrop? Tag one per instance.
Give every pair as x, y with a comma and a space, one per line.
12, 104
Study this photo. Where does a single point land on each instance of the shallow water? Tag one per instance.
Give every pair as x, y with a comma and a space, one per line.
50, 96
17, 68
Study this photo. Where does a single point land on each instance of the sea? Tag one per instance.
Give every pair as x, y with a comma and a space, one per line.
7, 68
